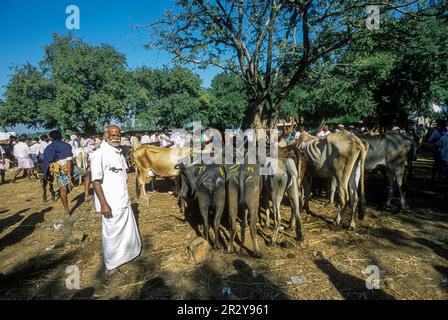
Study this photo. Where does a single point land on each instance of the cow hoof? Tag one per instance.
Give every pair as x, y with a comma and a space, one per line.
300, 240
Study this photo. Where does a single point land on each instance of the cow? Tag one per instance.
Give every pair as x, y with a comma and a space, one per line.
282, 177
340, 155
393, 152
81, 158
243, 187
126, 151
152, 161
208, 185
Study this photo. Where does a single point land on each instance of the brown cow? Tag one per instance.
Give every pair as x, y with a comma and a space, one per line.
151, 161
340, 155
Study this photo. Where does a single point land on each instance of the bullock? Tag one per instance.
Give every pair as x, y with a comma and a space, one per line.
393, 152
208, 185
340, 155
152, 161
282, 177
81, 157
244, 185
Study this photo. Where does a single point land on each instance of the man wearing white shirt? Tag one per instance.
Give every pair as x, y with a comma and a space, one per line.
43, 143
145, 139
324, 132
164, 140
22, 154
120, 235
34, 151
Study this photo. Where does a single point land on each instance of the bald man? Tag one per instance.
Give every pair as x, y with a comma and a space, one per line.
121, 238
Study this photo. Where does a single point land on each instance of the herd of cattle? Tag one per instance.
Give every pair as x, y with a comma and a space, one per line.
245, 192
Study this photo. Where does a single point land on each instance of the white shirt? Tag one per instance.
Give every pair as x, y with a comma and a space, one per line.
164, 140
21, 150
109, 165
153, 138
323, 133
145, 139
42, 146
34, 149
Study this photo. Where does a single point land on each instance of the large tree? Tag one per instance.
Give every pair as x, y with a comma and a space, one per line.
389, 75
167, 97
270, 44
77, 87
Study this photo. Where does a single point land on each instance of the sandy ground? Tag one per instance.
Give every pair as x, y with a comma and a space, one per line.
410, 250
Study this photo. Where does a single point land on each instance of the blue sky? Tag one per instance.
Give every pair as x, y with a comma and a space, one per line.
25, 26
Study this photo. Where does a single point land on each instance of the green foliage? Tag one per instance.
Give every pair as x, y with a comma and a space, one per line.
395, 71
167, 98
228, 102
77, 87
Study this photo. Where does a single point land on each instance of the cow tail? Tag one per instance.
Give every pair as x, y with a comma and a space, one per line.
362, 202
137, 184
241, 188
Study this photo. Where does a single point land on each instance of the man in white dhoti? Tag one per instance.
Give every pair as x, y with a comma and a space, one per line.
121, 238
22, 154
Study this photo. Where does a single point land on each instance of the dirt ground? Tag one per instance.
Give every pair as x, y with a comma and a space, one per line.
410, 249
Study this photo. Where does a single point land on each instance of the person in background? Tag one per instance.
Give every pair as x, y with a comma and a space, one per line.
145, 139
435, 137
22, 154
2, 165
43, 143
165, 139
324, 132
340, 128
154, 138
59, 156
444, 156
34, 149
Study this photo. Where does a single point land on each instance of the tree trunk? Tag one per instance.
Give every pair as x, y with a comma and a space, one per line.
259, 115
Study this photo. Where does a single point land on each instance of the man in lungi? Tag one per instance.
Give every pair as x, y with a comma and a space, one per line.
22, 154
58, 162
120, 234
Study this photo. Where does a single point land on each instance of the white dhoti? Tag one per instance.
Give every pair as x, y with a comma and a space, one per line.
25, 163
121, 239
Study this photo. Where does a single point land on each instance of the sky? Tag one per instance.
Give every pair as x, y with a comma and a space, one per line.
27, 25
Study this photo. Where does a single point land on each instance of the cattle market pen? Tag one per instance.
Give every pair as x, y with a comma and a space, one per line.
410, 249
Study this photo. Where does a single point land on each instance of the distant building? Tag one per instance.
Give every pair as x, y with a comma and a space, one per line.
6, 135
